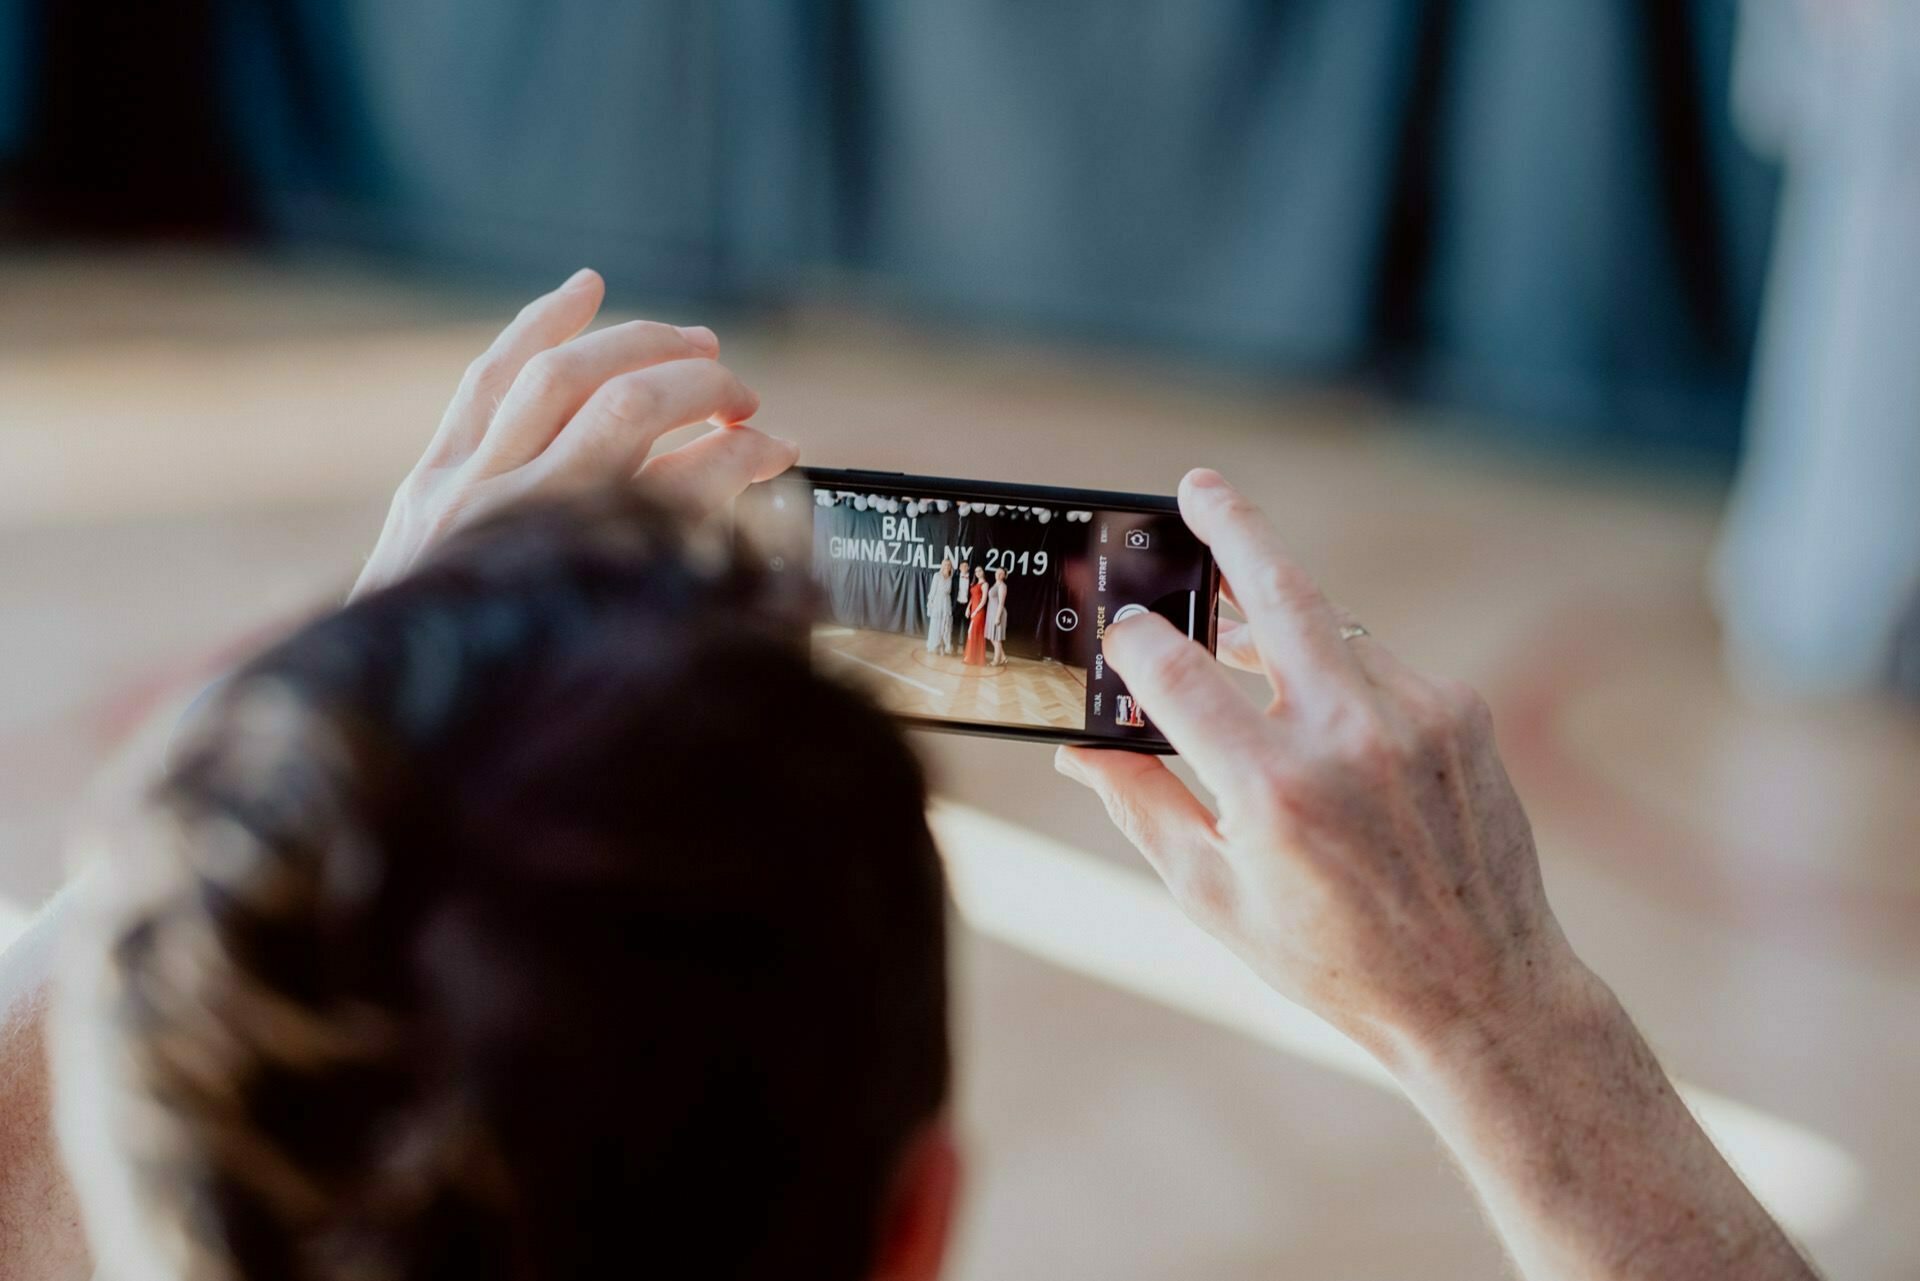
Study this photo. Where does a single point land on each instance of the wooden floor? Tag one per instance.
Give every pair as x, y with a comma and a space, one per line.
904, 677
192, 448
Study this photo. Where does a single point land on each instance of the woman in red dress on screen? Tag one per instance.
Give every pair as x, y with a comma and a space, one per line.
977, 619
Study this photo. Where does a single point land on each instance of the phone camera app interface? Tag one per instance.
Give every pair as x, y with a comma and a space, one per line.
984, 610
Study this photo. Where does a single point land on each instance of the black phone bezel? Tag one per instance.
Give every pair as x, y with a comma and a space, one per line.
1100, 499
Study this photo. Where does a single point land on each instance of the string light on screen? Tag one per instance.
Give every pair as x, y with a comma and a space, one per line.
917, 507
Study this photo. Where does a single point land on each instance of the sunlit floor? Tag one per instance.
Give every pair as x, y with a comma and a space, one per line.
193, 449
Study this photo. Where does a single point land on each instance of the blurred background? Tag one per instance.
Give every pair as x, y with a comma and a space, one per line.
1571, 344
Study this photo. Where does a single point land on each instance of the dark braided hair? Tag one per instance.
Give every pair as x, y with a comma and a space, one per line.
541, 916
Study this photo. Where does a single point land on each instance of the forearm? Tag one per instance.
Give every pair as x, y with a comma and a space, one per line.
41, 1238
1586, 1159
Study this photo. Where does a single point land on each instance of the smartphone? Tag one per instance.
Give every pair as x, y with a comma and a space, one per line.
978, 607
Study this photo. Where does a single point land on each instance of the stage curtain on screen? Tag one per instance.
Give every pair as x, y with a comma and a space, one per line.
891, 595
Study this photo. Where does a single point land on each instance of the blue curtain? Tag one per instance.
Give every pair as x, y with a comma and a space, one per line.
1530, 208
18, 40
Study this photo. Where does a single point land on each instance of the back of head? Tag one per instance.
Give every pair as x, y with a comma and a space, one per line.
543, 916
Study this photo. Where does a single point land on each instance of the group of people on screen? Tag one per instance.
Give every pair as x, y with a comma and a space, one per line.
982, 613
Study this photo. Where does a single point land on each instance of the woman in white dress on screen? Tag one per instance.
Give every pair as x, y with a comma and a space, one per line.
997, 616
940, 610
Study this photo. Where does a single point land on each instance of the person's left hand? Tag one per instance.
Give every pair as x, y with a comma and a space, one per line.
545, 410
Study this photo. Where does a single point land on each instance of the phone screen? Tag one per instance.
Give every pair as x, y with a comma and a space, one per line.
976, 606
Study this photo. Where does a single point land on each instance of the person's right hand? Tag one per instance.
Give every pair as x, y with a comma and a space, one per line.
1370, 858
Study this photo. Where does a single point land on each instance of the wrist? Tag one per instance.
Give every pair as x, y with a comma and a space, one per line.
1549, 1025
1548, 996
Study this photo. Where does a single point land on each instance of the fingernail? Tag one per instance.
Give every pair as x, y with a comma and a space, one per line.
1206, 478
1064, 763
700, 336
578, 278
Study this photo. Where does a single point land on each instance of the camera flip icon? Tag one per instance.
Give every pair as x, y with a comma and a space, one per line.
1137, 539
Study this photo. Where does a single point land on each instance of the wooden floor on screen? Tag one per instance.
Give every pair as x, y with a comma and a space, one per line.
899, 672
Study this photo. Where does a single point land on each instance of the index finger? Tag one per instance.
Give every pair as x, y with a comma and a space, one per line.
1190, 700
1293, 625
705, 475
612, 434
554, 384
